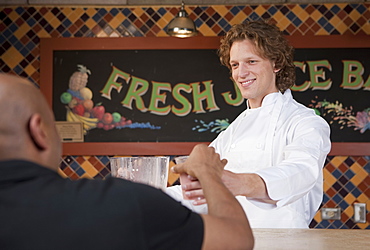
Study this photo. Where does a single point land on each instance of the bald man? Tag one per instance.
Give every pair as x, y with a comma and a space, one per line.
41, 210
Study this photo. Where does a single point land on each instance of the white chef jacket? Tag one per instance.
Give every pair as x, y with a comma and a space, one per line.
286, 144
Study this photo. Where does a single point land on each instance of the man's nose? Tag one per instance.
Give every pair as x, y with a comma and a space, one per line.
243, 70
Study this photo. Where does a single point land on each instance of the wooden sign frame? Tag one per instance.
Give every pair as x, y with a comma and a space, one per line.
49, 45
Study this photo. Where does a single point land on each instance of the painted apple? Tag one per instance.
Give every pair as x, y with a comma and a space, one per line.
98, 112
116, 117
66, 98
107, 118
79, 109
88, 104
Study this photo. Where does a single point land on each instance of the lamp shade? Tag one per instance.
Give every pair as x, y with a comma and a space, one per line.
182, 26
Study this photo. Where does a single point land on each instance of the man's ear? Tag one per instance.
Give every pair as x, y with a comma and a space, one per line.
275, 69
36, 131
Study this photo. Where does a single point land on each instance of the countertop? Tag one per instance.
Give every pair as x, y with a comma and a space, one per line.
314, 239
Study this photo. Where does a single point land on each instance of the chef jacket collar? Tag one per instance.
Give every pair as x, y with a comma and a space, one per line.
267, 100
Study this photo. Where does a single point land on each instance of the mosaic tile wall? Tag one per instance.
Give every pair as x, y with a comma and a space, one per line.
347, 178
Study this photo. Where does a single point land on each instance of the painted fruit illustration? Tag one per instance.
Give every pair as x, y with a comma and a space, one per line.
78, 100
86, 93
98, 112
88, 105
107, 118
66, 98
79, 79
116, 117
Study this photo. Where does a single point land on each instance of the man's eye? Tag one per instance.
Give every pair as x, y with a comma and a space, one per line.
252, 61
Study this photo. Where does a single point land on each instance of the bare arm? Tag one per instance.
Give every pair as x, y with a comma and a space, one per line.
226, 225
249, 185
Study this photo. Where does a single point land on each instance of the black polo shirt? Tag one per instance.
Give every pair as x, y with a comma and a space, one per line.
41, 210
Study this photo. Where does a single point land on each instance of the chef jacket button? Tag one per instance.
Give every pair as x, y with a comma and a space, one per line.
232, 145
258, 145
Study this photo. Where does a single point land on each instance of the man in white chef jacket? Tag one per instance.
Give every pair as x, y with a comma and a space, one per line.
277, 147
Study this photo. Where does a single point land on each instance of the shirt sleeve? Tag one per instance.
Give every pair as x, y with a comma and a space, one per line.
301, 168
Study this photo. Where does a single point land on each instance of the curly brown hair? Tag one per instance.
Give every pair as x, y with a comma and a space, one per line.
270, 44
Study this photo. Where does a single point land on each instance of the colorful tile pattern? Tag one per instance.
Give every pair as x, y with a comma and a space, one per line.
346, 181
347, 178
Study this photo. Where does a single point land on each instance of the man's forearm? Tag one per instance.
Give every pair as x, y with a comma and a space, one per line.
226, 225
248, 185
226, 220
221, 202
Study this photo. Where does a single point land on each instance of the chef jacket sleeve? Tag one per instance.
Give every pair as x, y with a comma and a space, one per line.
301, 168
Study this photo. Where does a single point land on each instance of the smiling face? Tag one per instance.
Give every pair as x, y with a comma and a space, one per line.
254, 75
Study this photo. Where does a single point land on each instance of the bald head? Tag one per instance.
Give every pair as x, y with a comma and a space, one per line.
27, 129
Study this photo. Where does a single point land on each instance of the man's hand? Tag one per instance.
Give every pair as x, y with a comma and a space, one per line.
249, 185
194, 191
226, 217
202, 162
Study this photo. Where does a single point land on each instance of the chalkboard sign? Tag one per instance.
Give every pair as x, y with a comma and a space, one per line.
336, 83
168, 95
166, 90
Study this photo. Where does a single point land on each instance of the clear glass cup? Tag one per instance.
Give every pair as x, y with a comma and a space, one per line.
152, 171
184, 179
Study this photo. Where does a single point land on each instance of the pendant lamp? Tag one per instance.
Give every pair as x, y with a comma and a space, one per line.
182, 26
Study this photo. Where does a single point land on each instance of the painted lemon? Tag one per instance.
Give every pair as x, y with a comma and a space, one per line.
86, 93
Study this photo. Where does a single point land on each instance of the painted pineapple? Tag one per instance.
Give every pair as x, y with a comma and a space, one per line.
78, 80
